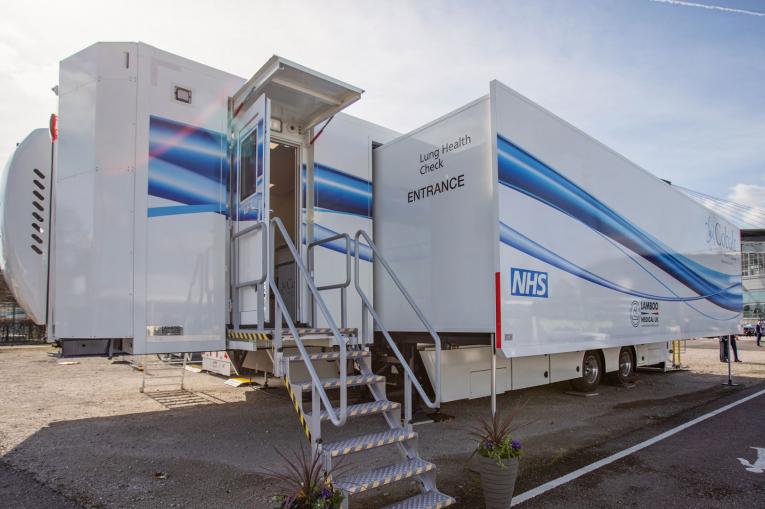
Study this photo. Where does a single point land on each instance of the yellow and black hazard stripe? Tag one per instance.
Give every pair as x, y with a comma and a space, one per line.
296, 404
248, 336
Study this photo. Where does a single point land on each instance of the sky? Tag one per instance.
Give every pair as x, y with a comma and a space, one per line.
677, 87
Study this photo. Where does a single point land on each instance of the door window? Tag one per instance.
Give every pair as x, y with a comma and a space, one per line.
248, 179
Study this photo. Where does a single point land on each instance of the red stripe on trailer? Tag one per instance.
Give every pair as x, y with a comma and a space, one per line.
53, 126
498, 311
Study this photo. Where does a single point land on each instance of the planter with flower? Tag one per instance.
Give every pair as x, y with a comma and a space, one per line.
497, 455
307, 484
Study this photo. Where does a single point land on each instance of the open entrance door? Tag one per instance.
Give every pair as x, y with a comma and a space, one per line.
250, 211
287, 100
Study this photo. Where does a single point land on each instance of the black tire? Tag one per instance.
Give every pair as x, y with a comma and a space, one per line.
592, 372
625, 374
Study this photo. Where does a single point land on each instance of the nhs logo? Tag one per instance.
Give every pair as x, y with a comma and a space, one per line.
528, 283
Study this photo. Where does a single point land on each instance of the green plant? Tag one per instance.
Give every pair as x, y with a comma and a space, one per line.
309, 485
494, 437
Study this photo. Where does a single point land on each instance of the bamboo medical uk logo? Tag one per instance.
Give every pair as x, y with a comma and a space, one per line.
644, 313
635, 313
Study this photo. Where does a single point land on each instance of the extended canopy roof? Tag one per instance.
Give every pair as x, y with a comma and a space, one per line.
299, 95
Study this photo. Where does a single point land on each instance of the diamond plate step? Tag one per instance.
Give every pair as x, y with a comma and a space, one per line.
344, 331
329, 356
375, 407
334, 383
382, 476
429, 500
366, 442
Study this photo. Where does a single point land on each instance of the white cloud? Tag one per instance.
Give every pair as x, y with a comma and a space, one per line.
748, 194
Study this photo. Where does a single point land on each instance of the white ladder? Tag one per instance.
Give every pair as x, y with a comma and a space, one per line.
164, 372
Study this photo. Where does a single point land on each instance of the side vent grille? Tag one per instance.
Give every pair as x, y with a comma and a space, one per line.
38, 203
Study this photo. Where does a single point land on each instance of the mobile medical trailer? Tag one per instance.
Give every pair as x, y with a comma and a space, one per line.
506, 221
183, 209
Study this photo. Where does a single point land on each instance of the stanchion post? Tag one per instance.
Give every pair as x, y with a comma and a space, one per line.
493, 376
729, 383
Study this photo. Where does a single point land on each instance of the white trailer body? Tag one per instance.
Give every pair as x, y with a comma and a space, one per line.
501, 220
127, 260
157, 161
24, 218
509, 221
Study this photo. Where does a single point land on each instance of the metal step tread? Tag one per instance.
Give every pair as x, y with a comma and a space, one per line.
366, 442
334, 383
329, 356
429, 500
384, 475
344, 331
371, 408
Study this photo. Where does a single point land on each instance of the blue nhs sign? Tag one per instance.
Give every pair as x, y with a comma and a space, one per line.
528, 283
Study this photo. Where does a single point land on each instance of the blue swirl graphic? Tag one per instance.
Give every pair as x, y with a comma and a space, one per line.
337, 191
516, 239
199, 150
522, 172
320, 233
188, 165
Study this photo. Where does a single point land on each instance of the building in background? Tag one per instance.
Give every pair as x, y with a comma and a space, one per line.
751, 222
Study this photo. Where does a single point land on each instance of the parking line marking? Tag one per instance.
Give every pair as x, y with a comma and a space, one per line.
523, 497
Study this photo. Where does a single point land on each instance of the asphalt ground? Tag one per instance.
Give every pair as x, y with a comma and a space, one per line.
80, 434
699, 467
20, 490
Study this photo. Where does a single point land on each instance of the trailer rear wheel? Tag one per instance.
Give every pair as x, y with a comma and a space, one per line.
626, 371
592, 371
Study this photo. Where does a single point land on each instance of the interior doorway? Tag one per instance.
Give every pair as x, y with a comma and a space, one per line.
284, 196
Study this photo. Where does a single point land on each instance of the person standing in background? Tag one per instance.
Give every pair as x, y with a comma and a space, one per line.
758, 331
734, 347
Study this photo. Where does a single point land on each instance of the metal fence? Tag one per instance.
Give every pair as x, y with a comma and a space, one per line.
15, 325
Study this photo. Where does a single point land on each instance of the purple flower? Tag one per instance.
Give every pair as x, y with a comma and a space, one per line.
516, 445
488, 444
326, 493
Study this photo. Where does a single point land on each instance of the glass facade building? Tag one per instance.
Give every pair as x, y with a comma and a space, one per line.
753, 274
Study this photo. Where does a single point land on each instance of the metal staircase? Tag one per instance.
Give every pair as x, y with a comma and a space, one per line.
350, 350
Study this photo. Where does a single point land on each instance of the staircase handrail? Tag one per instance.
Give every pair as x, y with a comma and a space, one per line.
342, 286
337, 420
368, 305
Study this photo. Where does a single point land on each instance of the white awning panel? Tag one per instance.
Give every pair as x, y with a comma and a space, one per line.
299, 96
